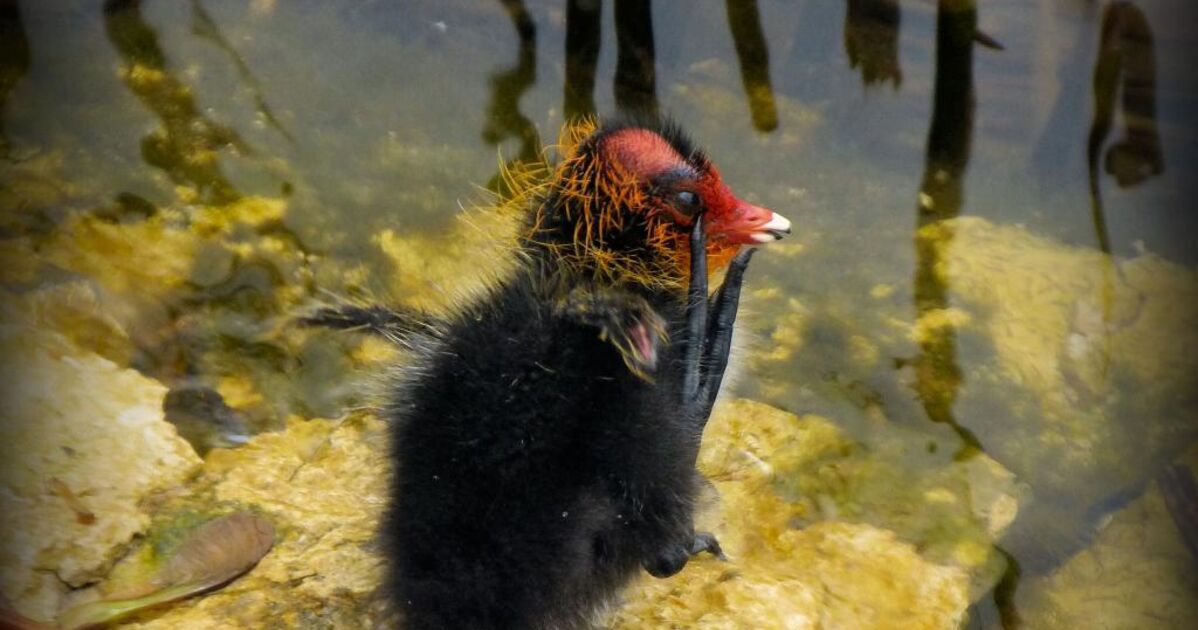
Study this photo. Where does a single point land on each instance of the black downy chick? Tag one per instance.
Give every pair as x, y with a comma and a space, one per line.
545, 439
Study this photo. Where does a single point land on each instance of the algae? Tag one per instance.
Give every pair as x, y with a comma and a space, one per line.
1078, 345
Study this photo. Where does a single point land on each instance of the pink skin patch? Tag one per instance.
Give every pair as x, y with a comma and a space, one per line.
643, 346
643, 152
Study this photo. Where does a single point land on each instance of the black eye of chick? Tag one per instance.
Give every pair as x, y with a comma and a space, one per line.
687, 200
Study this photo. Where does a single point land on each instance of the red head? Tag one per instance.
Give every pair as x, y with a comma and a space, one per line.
628, 196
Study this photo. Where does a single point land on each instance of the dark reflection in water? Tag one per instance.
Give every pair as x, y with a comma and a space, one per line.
938, 376
1126, 66
754, 57
1181, 496
504, 119
582, 53
186, 144
636, 72
205, 27
871, 30
635, 81
14, 58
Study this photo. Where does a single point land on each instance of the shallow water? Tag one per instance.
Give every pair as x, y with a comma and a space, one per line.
367, 116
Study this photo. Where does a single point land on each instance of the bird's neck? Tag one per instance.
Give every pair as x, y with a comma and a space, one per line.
566, 242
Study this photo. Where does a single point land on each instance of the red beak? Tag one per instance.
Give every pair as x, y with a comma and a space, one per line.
751, 225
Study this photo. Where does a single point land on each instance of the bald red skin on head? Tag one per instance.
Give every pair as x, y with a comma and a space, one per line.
643, 152
729, 220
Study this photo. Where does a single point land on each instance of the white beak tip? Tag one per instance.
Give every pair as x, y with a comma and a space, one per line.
773, 230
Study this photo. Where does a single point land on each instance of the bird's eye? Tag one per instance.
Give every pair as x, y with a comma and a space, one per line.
687, 198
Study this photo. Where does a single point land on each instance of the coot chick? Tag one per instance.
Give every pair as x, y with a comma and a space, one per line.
545, 435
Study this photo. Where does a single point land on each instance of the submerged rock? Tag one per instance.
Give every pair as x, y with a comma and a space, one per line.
198, 297
1136, 574
1080, 372
82, 445
323, 484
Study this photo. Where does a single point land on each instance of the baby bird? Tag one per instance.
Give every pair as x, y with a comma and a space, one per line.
545, 439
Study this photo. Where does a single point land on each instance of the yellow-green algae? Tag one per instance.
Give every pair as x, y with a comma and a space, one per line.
1091, 386
207, 293
323, 483
830, 574
1077, 370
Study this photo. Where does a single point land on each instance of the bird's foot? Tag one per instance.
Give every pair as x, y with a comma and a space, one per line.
706, 541
673, 559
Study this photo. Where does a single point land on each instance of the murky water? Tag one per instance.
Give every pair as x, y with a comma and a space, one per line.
867, 123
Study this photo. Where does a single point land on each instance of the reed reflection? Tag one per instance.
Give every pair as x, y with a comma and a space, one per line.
14, 59
754, 57
1126, 66
941, 197
582, 53
635, 82
938, 377
504, 119
871, 29
186, 144
205, 27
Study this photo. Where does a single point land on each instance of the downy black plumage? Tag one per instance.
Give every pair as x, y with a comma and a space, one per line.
545, 435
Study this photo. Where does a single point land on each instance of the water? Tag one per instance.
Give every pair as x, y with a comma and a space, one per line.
366, 116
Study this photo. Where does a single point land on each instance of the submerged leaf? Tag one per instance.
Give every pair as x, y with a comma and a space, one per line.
210, 555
